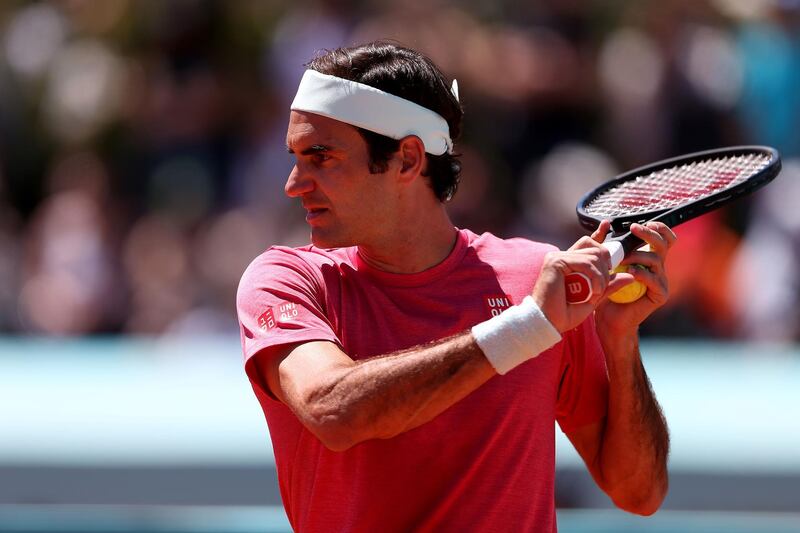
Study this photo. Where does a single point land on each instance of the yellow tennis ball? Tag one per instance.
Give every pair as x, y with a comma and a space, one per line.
628, 293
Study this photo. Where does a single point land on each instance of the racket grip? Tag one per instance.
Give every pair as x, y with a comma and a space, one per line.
579, 287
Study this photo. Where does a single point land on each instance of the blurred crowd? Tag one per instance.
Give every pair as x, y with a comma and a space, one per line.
142, 143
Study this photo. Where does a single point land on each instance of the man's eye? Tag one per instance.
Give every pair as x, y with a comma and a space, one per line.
321, 157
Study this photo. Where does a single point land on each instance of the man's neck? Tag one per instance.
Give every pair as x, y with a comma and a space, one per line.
419, 244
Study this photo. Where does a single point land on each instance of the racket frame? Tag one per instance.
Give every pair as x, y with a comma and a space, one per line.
679, 214
621, 237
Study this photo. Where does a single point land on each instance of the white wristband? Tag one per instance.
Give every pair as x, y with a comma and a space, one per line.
519, 333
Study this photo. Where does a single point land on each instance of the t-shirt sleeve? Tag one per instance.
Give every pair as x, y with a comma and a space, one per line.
583, 390
281, 300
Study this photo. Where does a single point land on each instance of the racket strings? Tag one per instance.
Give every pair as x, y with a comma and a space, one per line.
673, 186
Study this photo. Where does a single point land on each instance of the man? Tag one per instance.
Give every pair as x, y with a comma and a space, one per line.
411, 372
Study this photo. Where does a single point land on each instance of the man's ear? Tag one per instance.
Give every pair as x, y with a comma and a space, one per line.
412, 158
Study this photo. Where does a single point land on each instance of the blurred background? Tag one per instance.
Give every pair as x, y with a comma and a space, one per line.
142, 163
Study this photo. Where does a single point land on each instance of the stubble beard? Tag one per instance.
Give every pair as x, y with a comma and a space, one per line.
328, 238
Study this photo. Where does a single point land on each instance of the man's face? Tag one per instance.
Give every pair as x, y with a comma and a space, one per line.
345, 204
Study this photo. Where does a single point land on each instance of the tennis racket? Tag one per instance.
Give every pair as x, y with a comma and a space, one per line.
670, 191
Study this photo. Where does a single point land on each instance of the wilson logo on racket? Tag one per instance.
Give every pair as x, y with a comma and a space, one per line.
574, 288
578, 287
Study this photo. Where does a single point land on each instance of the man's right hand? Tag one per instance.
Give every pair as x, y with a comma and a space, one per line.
588, 257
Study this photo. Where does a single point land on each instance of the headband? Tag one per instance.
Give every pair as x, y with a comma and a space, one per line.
372, 109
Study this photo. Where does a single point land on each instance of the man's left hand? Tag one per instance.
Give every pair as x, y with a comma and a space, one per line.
625, 318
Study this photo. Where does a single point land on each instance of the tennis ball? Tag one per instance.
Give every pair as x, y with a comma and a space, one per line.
628, 293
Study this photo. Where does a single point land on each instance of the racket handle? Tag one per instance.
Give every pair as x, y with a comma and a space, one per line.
577, 285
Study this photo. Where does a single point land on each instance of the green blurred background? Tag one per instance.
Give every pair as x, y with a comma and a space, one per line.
142, 162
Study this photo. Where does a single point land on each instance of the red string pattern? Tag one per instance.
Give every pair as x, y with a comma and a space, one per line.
673, 186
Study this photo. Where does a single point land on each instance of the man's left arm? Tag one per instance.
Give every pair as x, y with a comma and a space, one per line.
626, 452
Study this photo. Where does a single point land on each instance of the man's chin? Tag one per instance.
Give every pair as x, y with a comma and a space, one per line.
326, 239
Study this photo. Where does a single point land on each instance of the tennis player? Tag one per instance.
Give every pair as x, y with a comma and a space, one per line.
411, 372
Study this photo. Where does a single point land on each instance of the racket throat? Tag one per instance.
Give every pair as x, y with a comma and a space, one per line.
617, 251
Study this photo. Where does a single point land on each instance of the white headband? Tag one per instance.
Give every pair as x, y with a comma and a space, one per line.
372, 109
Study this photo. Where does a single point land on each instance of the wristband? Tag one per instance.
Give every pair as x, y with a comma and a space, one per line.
519, 333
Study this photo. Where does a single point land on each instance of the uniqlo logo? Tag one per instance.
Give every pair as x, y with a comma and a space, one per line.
287, 312
496, 304
266, 320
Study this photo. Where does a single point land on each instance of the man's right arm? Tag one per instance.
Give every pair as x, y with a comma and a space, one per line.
344, 402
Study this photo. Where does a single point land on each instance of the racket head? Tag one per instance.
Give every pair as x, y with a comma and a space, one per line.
675, 184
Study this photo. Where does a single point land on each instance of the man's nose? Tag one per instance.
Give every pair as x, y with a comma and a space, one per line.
298, 183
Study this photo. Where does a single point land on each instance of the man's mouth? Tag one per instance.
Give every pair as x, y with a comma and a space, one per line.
314, 212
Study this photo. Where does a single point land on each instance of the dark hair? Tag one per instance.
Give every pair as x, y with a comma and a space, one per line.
408, 74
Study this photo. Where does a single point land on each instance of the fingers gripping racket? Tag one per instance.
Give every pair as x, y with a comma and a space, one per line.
670, 191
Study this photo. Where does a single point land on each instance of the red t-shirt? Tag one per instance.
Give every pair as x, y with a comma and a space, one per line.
485, 464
